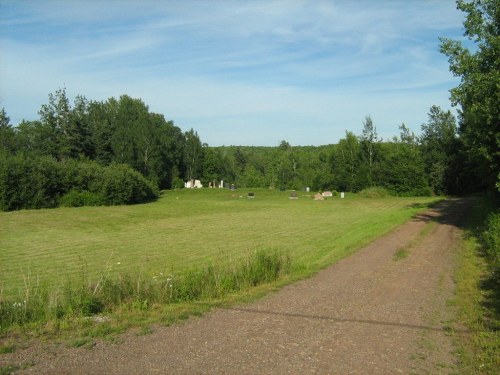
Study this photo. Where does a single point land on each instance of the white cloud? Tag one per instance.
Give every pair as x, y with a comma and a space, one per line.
238, 72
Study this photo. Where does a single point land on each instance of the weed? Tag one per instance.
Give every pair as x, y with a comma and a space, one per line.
80, 342
7, 348
401, 254
9, 369
145, 330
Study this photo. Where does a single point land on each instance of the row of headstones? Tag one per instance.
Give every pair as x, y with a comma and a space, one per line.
294, 195
318, 196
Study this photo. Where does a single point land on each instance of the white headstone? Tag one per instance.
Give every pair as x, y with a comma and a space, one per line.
342, 195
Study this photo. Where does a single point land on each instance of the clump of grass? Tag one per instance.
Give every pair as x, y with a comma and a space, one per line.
140, 292
7, 348
401, 254
8, 369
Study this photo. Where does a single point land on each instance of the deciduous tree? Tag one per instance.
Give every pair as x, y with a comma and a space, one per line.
478, 94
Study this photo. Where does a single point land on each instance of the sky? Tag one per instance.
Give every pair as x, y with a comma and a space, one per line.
249, 73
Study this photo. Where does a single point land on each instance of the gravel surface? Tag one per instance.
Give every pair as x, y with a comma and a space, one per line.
367, 314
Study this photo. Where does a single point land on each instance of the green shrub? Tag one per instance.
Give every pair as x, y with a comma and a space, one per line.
29, 182
81, 198
42, 182
178, 183
123, 185
374, 192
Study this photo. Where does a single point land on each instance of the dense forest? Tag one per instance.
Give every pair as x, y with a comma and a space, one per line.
117, 151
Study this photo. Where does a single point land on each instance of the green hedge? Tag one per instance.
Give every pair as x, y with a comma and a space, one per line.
28, 182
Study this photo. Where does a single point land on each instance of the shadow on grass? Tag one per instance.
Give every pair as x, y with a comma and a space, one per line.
491, 288
459, 212
470, 214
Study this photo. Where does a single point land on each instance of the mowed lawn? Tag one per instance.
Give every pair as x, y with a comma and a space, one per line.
185, 229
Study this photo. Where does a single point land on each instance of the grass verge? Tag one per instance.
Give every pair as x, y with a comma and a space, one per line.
139, 293
477, 300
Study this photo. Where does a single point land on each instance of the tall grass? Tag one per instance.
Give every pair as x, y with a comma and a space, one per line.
477, 296
41, 304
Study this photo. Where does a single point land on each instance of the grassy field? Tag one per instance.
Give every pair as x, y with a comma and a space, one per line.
188, 228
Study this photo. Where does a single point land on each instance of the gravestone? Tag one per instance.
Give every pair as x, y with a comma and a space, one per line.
251, 195
327, 194
319, 197
294, 195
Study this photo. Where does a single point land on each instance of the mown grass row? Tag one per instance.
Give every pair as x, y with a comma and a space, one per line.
189, 246
186, 229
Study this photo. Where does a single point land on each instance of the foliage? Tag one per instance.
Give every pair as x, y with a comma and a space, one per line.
43, 182
75, 198
29, 182
478, 91
124, 131
439, 147
369, 149
374, 192
121, 131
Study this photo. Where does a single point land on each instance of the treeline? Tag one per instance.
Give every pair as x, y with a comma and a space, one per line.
43, 182
118, 152
123, 135
405, 165
92, 153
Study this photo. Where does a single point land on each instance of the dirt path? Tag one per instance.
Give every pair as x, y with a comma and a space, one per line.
368, 314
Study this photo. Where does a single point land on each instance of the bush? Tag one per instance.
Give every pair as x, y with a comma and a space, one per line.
178, 183
43, 182
123, 185
77, 198
28, 182
374, 192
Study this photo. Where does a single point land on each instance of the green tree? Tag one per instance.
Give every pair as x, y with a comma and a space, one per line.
439, 145
287, 166
478, 94
402, 165
55, 116
7, 133
193, 155
369, 150
212, 168
80, 140
128, 142
102, 124
346, 162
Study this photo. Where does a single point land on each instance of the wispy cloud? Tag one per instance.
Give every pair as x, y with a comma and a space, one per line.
238, 72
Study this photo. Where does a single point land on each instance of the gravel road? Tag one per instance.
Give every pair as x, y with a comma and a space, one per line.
368, 314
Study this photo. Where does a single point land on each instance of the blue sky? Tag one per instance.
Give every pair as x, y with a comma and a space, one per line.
238, 72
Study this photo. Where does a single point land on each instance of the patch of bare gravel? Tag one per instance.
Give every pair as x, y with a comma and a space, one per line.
367, 314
